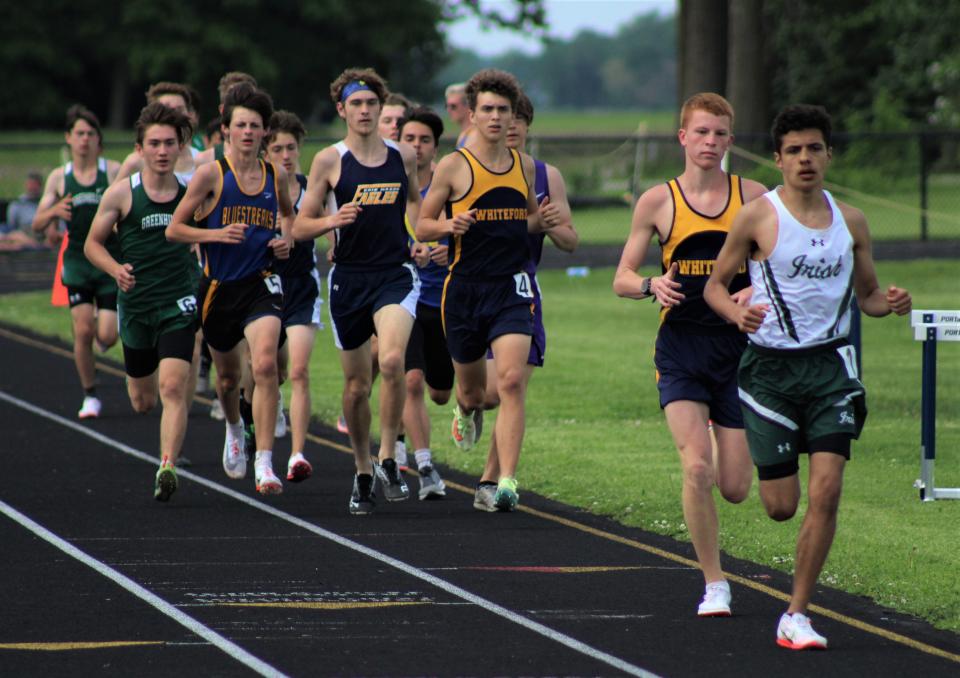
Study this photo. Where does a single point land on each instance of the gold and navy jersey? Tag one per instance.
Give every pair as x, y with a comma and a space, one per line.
378, 238
497, 244
693, 242
223, 261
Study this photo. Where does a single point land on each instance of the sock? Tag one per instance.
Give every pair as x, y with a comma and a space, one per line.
236, 430
264, 458
401, 438
423, 457
91, 392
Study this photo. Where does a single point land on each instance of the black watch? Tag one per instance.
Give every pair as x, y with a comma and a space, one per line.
645, 286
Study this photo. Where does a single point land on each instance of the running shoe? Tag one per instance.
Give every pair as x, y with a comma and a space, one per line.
394, 486
342, 424
91, 408
795, 632
165, 483
298, 468
507, 497
216, 410
281, 428
431, 484
466, 429
363, 497
266, 480
400, 454
716, 600
234, 460
483, 497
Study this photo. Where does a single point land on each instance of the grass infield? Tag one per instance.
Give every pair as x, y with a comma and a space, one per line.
596, 437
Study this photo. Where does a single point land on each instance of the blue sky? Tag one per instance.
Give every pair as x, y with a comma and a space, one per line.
566, 18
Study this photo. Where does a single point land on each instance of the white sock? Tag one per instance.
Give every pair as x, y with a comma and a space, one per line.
423, 457
236, 430
264, 458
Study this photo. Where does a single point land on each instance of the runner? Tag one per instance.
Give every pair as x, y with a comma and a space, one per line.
235, 201
373, 285
156, 302
72, 193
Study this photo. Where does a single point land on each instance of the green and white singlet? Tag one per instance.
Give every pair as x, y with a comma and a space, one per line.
77, 271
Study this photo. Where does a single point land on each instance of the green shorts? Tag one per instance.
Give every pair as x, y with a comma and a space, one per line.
800, 401
80, 275
142, 329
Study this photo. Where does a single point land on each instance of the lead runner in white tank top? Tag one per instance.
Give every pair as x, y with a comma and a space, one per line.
807, 281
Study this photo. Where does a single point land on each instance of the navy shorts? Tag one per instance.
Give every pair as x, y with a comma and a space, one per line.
538, 341
227, 307
427, 349
302, 300
356, 295
475, 312
700, 364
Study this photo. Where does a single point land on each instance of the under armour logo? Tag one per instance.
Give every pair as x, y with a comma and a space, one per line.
336, 287
814, 242
846, 418
783, 449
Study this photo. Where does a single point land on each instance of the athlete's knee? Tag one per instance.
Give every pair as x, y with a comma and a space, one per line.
300, 375
391, 363
356, 390
107, 335
414, 383
142, 401
439, 397
84, 331
264, 368
824, 497
471, 400
228, 382
172, 389
779, 508
698, 472
491, 399
511, 383
736, 493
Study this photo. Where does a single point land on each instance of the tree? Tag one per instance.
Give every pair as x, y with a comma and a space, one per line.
702, 42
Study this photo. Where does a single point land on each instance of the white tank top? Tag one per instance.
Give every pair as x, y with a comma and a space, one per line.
807, 281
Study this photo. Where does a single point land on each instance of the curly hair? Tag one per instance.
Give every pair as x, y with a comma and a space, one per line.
494, 81
369, 77
796, 117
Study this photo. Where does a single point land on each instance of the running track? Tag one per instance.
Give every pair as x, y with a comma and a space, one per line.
100, 579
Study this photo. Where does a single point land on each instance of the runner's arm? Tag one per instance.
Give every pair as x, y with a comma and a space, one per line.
113, 207
563, 234
872, 300
51, 206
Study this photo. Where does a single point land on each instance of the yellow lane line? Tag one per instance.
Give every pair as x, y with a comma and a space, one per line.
326, 606
61, 647
566, 522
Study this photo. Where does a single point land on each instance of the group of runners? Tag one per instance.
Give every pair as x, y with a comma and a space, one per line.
433, 283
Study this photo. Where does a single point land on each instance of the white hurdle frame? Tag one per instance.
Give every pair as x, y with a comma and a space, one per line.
931, 327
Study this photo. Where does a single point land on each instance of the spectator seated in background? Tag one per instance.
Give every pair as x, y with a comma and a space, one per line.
17, 233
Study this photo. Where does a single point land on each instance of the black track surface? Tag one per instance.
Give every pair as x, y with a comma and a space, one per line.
223, 561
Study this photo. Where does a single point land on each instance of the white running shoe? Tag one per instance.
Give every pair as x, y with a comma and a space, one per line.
716, 600
280, 430
266, 481
795, 632
91, 408
234, 460
400, 454
298, 468
216, 410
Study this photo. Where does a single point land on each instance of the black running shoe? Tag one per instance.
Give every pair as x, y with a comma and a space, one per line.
394, 486
363, 498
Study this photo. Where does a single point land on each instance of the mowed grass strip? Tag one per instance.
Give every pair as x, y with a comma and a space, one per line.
596, 437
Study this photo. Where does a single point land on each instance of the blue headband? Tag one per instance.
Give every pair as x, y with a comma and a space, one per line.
353, 87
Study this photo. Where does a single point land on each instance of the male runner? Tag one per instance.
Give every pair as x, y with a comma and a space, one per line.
427, 359
799, 387
373, 285
696, 350
394, 109
301, 291
72, 193
483, 196
177, 97
235, 202
156, 302
551, 194
459, 110
227, 82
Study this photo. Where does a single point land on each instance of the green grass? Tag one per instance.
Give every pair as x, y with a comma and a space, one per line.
596, 438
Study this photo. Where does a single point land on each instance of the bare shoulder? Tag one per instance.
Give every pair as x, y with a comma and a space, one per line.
529, 167
112, 168
853, 216
204, 157
757, 210
325, 159
653, 199
752, 189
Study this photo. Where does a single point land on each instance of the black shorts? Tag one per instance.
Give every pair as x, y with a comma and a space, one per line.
302, 300
427, 349
475, 312
355, 296
142, 362
701, 364
87, 295
226, 308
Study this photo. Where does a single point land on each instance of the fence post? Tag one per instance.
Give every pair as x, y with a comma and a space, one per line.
924, 171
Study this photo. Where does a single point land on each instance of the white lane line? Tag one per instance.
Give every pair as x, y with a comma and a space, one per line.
442, 584
150, 598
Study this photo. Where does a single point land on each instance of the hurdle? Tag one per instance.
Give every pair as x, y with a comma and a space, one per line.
931, 327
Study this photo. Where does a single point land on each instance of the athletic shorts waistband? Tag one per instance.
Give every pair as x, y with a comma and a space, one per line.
798, 352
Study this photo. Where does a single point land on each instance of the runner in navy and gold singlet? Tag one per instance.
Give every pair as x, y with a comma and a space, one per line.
696, 351
157, 306
72, 194
235, 202
483, 197
367, 185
